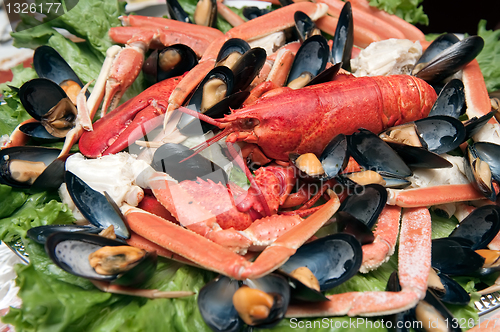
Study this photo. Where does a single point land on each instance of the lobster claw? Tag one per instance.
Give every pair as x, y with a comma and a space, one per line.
129, 122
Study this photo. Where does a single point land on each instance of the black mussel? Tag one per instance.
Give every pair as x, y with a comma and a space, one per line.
251, 12
447, 289
52, 177
399, 320
489, 152
286, 2
100, 210
372, 153
478, 172
172, 61
451, 100
47, 102
310, 60
226, 304
37, 132
231, 51
215, 302
206, 13
41, 233
415, 156
454, 256
441, 133
451, 60
305, 26
434, 315
326, 75
332, 259
332, 160
22, 166
437, 46
334, 157
176, 12
366, 203
350, 225
480, 227
343, 39
168, 157
49, 64
197, 127
474, 125
248, 67
97, 258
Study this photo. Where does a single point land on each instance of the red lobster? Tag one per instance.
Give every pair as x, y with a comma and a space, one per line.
303, 120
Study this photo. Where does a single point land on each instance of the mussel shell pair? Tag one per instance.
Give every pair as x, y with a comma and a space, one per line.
215, 301
49, 179
40, 95
169, 62
70, 251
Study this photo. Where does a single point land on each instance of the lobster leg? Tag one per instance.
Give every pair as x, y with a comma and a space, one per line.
414, 265
202, 251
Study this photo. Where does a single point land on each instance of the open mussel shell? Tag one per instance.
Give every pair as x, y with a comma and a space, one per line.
248, 67
351, 225
98, 209
176, 12
454, 256
437, 46
47, 102
372, 153
41, 233
474, 125
480, 227
216, 85
333, 259
206, 13
37, 132
304, 25
49, 64
489, 153
21, 166
441, 133
343, 39
334, 157
451, 100
168, 157
366, 203
215, 302
39, 95
326, 75
310, 60
415, 156
251, 12
450, 291
234, 48
451, 60
479, 173
70, 251
172, 61
197, 127
432, 312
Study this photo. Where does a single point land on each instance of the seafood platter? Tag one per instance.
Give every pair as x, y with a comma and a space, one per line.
302, 165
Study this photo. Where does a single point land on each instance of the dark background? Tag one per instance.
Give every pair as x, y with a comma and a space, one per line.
460, 16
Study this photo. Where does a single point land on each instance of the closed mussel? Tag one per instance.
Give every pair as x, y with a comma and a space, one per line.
98, 258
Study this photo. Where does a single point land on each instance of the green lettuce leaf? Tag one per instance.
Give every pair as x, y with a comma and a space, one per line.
409, 10
489, 58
